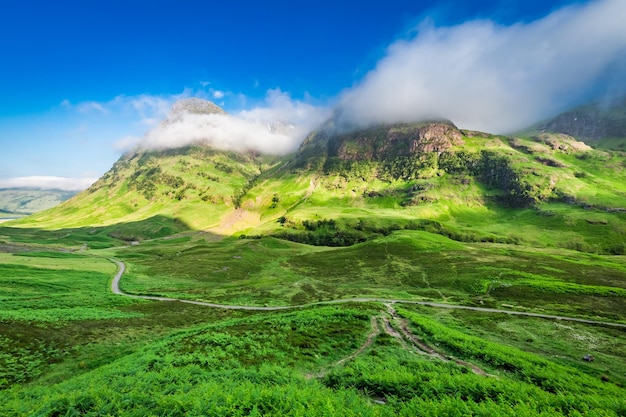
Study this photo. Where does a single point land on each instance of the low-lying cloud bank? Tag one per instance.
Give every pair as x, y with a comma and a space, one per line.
48, 183
496, 78
275, 128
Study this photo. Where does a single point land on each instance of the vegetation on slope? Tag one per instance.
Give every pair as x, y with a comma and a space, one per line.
345, 188
410, 212
542, 191
194, 185
159, 358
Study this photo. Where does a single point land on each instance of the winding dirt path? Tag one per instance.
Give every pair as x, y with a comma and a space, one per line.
420, 346
115, 288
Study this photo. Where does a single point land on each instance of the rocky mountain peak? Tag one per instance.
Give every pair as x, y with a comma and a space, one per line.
397, 140
592, 122
193, 105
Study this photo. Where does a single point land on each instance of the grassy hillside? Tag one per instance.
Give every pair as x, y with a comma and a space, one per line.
409, 265
72, 348
194, 187
414, 213
543, 191
546, 190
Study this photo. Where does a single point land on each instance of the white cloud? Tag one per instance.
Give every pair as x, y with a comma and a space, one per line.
495, 78
151, 107
90, 106
220, 131
217, 94
127, 142
45, 182
281, 109
276, 127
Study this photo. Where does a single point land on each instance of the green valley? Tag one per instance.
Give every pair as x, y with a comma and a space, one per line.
345, 254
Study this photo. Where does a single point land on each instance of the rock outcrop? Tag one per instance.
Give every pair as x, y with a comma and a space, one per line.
397, 140
592, 122
194, 106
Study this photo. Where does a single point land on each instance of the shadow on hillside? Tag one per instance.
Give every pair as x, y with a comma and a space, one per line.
550, 225
97, 237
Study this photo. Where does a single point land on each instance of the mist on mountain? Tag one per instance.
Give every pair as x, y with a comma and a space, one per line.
274, 129
495, 78
478, 74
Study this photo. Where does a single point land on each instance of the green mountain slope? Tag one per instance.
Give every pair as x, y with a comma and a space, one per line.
193, 185
542, 190
421, 212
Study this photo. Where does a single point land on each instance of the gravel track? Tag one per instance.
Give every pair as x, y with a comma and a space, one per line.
115, 288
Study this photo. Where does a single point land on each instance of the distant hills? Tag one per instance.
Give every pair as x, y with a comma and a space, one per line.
17, 202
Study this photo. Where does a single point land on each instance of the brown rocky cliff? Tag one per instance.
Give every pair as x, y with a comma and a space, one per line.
398, 140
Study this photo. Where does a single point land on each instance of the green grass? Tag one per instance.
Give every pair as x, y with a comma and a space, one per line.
48, 290
508, 360
406, 264
56, 288
448, 233
259, 365
139, 358
565, 343
525, 384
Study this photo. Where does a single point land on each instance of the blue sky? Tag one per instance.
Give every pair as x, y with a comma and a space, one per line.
81, 81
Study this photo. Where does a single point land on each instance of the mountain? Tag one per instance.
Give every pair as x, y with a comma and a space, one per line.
453, 228
382, 142
194, 186
7, 215
431, 175
598, 124
22, 201
192, 106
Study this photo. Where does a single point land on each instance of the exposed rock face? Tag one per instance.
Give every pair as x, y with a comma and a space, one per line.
397, 140
192, 106
579, 124
592, 122
433, 137
561, 142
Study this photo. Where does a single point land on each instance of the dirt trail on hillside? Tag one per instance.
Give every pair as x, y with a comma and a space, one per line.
122, 268
404, 337
401, 331
421, 346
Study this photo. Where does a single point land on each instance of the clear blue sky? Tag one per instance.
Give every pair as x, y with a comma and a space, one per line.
64, 63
